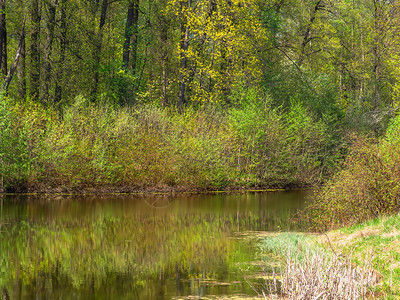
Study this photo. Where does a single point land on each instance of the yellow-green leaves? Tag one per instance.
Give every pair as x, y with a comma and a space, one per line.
223, 40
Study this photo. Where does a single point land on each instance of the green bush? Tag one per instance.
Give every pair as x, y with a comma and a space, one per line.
22, 128
101, 146
366, 188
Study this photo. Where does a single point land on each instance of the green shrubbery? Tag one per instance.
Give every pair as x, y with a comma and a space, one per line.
367, 187
92, 146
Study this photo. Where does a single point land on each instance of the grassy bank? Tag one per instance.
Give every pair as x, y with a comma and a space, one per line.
358, 209
376, 241
358, 261
98, 147
310, 269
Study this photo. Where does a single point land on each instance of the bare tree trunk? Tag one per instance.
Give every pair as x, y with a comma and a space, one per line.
21, 71
16, 60
3, 38
47, 70
63, 45
35, 50
4, 294
164, 61
98, 46
306, 37
131, 32
184, 44
129, 55
376, 56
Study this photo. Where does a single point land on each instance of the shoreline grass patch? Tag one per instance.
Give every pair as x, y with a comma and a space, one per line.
312, 272
380, 237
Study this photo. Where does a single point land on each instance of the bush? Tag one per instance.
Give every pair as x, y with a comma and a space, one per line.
101, 146
22, 128
366, 188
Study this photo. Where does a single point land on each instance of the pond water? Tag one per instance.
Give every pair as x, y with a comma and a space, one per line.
137, 247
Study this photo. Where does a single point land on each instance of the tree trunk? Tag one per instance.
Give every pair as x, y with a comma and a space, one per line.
164, 60
5, 294
16, 60
48, 50
97, 51
63, 46
376, 56
306, 37
131, 31
3, 38
21, 71
35, 50
184, 44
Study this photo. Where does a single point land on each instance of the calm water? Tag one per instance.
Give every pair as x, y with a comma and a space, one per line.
136, 247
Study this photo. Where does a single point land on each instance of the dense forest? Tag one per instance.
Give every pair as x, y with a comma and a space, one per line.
115, 96
182, 94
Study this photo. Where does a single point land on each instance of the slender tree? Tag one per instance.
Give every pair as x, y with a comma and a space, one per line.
183, 47
63, 47
48, 50
131, 38
3, 38
35, 50
98, 41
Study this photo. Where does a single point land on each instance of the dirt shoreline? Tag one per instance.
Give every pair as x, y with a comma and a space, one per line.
101, 190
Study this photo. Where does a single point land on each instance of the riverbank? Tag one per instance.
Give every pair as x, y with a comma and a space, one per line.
364, 257
116, 190
376, 241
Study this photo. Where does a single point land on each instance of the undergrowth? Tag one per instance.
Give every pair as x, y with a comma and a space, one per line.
367, 187
99, 146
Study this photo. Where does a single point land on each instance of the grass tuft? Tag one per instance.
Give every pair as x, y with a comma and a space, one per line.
311, 272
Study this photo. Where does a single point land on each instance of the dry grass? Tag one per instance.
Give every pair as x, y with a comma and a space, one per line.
380, 237
323, 275
312, 272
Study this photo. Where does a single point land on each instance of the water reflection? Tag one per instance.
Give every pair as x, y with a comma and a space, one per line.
134, 247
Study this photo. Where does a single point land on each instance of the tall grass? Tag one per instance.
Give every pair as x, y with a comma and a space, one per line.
93, 146
311, 272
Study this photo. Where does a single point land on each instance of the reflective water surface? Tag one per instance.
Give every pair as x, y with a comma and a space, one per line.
136, 247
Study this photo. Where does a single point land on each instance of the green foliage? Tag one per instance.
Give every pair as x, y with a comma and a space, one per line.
367, 187
259, 142
21, 135
92, 146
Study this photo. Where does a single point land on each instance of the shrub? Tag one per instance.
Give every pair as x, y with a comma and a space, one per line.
367, 187
92, 145
22, 128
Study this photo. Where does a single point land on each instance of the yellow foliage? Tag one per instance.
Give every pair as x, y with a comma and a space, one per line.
223, 42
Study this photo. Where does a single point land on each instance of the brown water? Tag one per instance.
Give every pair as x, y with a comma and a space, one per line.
136, 247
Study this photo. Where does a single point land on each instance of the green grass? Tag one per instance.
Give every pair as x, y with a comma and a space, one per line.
308, 268
376, 240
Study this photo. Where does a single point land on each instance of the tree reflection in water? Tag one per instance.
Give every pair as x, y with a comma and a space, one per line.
123, 246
